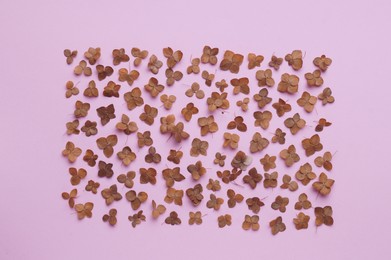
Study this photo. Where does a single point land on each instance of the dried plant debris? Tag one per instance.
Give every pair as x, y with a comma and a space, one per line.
176, 129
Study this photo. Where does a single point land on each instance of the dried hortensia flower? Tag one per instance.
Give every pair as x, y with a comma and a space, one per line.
314, 79
254, 204
280, 203
324, 161
92, 55
265, 78
167, 101
323, 186
217, 100
111, 217
84, 210
295, 123
251, 222
307, 101
172, 175
231, 62
77, 175
258, 143
213, 185
194, 67
91, 90
136, 219
71, 152
243, 104
139, 56
189, 111
219, 159
198, 147
148, 176
221, 85
195, 89
149, 114
270, 180
144, 139
275, 62
105, 169
157, 210
136, 199
279, 136
154, 64
288, 183
126, 125
167, 124
196, 170
111, 89
231, 140
209, 55
173, 76
295, 59
195, 218
106, 144
227, 176
240, 86
214, 202
252, 178
126, 155
324, 216
72, 127
224, 220
237, 123
207, 125
208, 77
305, 174
288, 84
179, 133
262, 119
301, 221
119, 56
195, 194
277, 225
175, 156
129, 77
322, 62
153, 87
321, 124
281, 107
174, 195
133, 98
241, 161
127, 179
81, 109
82, 68
70, 55
303, 202
289, 155
254, 60
233, 198
90, 158
268, 162
106, 113
70, 197
152, 156
312, 145
173, 219
172, 57
92, 186
111, 194
261, 98
72, 90
104, 71
326, 96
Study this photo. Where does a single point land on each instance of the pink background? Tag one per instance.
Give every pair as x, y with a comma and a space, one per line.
35, 223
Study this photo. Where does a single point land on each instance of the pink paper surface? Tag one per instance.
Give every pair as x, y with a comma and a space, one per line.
35, 223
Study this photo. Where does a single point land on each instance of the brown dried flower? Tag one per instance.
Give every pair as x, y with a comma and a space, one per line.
189, 111
209, 55
106, 144
154, 64
174, 195
77, 175
127, 179
322, 62
221, 85
219, 159
167, 101
288, 183
194, 67
295, 59
105, 169
323, 186
303, 202
111, 89
84, 210
72, 127
157, 210
231, 62
82, 68
240, 86
119, 56
324, 161
228, 176
288, 84
290, 156
326, 96
301, 221
252, 178
173, 76
195, 194
139, 56
92, 55
295, 123
195, 218
214, 202
307, 101
268, 162
173, 219
71, 152
111, 194
231, 140
233, 198
279, 136
277, 225
129, 77
103, 71
126, 155
90, 158
152, 156
314, 79
262, 119
91, 90
270, 180
281, 107
254, 60
217, 100
172, 175
92, 186
237, 123
70, 197
305, 174
321, 124
144, 139
148, 176
111, 217
198, 147
261, 98
136, 199
133, 98
196, 170
258, 143
81, 109
280, 203
195, 89
224, 220
251, 222
207, 124
172, 57
106, 113
72, 90
149, 114
208, 77
243, 104
126, 125
175, 156
265, 78
312, 145
275, 62
70, 55
324, 216
213, 185
136, 219
241, 161
254, 204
